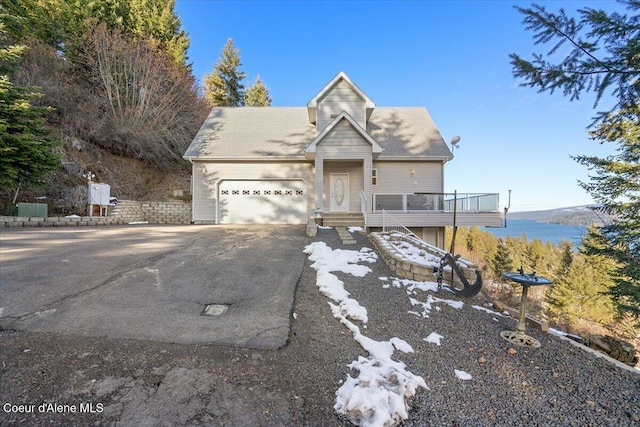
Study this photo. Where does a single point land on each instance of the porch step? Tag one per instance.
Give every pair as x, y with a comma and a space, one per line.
343, 220
345, 236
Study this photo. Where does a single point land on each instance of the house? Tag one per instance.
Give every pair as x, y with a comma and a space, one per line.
340, 159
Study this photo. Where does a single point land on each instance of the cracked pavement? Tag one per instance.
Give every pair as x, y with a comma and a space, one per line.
153, 282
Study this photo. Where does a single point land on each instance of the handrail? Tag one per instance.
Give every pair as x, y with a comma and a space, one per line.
363, 206
395, 226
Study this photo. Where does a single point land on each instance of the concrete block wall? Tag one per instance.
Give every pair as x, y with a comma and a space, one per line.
411, 270
153, 212
125, 212
55, 221
166, 213
128, 211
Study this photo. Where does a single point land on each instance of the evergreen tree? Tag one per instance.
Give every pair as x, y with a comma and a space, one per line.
61, 24
603, 57
501, 260
580, 293
257, 95
26, 146
582, 287
566, 259
223, 87
535, 256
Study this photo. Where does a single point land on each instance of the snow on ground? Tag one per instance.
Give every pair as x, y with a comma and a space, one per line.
433, 338
376, 397
354, 229
487, 310
462, 375
418, 255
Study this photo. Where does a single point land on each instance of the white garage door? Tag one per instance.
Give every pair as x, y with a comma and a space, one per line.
263, 202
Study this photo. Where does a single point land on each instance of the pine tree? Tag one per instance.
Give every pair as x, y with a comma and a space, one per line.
223, 87
61, 24
26, 146
501, 260
602, 57
582, 286
257, 95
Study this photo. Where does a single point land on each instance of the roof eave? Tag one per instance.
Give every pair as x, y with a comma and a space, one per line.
416, 158
248, 158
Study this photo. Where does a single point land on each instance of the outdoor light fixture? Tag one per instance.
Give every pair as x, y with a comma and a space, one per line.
412, 171
454, 143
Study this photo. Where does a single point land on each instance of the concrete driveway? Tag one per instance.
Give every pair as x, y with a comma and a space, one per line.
153, 282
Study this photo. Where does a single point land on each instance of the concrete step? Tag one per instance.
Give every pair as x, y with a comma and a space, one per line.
346, 219
345, 236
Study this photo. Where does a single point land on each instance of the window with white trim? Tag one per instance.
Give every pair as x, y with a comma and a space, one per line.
374, 176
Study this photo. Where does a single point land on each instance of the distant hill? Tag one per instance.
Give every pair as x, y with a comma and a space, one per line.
577, 215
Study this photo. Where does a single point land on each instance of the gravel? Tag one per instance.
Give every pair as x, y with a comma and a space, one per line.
129, 382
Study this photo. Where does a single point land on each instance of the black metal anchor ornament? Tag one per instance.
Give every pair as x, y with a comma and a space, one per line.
468, 290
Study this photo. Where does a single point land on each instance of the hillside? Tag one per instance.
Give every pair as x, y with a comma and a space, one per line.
577, 215
65, 190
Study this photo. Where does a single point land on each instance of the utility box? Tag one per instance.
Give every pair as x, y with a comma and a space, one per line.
99, 194
100, 197
27, 209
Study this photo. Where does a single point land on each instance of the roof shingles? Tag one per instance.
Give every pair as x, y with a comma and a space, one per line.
255, 132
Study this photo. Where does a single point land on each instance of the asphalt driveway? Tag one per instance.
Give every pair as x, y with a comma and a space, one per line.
153, 283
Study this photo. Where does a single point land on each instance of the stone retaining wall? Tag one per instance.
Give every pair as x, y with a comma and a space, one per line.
408, 269
166, 213
55, 221
127, 211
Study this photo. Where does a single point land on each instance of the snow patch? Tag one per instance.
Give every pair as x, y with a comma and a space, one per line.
462, 375
433, 338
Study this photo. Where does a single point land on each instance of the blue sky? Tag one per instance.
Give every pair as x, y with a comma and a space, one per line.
448, 56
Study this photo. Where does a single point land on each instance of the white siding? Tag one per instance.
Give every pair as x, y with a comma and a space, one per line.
396, 178
340, 97
207, 178
355, 171
353, 155
204, 196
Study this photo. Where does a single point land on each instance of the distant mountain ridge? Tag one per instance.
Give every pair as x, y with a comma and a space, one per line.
585, 216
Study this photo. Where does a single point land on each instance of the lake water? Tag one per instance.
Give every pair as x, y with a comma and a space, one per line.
553, 233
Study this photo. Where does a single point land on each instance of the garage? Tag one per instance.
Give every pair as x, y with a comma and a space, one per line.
262, 202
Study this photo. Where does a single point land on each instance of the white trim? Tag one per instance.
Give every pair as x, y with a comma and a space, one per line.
312, 106
375, 147
383, 158
260, 159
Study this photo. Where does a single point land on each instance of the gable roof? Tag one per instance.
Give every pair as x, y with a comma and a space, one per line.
407, 132
312, 106
375, 147
271, 133
252, 132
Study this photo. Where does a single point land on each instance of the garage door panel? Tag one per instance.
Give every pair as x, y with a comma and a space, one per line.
263, 202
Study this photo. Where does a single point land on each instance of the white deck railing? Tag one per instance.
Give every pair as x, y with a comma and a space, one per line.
436, 202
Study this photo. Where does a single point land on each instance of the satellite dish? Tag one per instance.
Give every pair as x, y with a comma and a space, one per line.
455, 140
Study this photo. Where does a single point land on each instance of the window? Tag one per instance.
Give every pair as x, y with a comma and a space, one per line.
299, 192
235, 192
277, 192
225, 192
288, 193
390, 202
374, 176
245, 192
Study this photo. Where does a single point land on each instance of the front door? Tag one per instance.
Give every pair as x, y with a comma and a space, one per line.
339, 198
